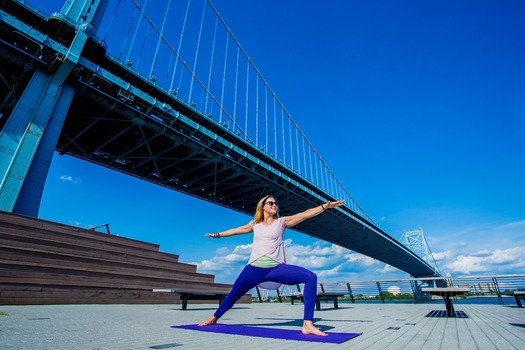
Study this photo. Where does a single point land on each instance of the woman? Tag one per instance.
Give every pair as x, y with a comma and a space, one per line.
267, 261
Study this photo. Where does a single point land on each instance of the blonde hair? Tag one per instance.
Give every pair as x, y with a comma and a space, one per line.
259, 213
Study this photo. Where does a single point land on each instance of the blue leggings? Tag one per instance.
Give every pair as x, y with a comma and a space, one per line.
251, 276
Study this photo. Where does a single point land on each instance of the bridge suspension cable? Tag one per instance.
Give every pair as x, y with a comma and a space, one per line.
177, 45
416, 241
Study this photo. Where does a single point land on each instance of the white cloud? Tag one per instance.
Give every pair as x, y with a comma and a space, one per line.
310, 261
360, 258
70, 179
207, 266
387, 269
498, 261
442, 255
233, 259
222, 251
333, 272
245, 249
318, 249
485, 248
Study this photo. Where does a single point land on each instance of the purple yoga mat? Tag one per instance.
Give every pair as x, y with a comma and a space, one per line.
275, 333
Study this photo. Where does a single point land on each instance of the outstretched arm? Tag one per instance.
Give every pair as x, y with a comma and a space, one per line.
293, 220
231, 232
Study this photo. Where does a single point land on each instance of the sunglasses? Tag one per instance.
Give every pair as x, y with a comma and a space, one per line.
271, 204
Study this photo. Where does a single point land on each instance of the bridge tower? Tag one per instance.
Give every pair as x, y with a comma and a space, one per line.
415, 241
30, 135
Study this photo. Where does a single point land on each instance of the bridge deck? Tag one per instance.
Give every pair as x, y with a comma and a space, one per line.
384, 326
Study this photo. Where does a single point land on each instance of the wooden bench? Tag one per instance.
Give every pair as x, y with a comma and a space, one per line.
186, 295
320, 297
446, 293
518, 295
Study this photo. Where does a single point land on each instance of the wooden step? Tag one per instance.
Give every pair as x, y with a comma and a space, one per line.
34, 225
68, 251
57, 261
108, 243
41, 275
48, 295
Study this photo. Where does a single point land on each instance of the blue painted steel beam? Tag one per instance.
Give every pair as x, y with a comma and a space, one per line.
30, 196
24, 159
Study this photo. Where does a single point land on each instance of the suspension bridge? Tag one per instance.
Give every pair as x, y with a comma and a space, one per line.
166, 93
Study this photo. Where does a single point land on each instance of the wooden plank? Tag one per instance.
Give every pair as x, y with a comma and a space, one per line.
29, 224
53, 295
34, 275
11, 291
80, 267
67, 251
49, 260
16, 295
115, 244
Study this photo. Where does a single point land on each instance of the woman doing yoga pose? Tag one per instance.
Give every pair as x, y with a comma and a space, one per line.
267, 261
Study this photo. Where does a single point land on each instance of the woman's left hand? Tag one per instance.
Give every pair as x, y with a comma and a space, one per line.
335, 204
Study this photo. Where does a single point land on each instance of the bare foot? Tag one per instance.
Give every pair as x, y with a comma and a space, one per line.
209, 321
309, 328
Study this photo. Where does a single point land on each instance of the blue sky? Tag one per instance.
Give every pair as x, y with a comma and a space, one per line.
417, 107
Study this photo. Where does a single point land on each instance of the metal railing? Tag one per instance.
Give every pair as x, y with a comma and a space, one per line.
106, 226
483, 289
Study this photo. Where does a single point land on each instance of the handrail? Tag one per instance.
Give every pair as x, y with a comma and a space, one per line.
493, 287
94, 228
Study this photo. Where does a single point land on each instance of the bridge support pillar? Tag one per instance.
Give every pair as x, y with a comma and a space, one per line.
28, 201
29, 137
22, 135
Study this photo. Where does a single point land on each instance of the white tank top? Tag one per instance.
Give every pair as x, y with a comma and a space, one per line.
268, 241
